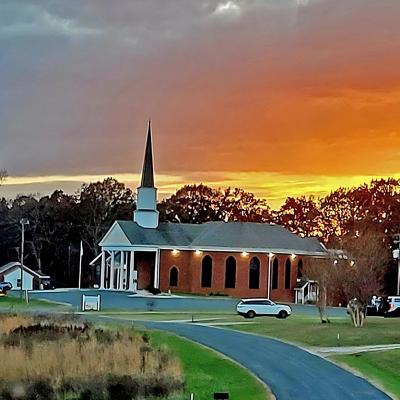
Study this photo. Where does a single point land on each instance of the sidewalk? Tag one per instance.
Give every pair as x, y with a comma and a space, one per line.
327, 351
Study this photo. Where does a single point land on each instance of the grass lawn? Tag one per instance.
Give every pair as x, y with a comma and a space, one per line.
310, 332
173, 315
14, 302
207, 372
382, 367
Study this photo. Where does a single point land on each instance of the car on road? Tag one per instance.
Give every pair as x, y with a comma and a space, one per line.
250, 308
5, 286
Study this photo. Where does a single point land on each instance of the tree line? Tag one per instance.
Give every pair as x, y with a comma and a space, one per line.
59, 221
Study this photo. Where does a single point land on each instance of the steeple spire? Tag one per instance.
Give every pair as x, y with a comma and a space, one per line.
146, 214
148, 172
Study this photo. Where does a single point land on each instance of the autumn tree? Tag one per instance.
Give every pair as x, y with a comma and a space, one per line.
191, 204
300, 215
200, 203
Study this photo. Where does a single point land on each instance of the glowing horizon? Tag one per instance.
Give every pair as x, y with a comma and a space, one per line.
274, 188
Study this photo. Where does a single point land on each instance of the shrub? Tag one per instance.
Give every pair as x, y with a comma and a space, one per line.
123, 387
40, 390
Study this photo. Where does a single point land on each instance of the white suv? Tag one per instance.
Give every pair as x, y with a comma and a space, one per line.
251, 308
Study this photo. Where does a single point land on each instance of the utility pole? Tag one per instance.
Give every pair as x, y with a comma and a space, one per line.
23, 222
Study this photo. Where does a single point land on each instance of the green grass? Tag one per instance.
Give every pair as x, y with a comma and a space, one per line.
382, 367
207, 372
310, 332
171, 315
16, 303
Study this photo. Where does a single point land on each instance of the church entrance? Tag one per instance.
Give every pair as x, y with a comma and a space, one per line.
145, 262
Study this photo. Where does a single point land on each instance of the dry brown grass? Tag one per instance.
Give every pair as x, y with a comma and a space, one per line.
9, 323
83, 357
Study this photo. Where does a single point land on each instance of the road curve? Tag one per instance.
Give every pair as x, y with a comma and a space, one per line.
290, 372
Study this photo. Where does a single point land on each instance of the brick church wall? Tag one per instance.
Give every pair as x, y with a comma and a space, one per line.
189, 265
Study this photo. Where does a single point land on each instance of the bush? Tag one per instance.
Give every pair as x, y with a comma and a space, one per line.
123, 388
40, 390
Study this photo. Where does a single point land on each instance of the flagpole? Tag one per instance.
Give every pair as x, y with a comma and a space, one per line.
80, 265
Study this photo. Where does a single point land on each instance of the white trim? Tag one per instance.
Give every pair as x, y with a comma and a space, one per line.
157, 270
12, 265
218, 249
120, 230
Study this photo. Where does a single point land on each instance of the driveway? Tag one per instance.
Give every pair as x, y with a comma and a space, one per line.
113, 300
290, 372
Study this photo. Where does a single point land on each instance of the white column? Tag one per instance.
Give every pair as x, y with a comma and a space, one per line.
112, 269
157, 270
103, 269
269, 275
131, 269
121, 271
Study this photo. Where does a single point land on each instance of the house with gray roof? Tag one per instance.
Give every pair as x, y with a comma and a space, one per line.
243, 259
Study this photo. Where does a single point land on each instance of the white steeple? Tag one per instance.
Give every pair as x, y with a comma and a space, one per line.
146, 214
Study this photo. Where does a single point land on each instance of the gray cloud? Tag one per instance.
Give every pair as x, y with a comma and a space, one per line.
79, 79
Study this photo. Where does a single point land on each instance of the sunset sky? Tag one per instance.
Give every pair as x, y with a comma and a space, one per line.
279, 97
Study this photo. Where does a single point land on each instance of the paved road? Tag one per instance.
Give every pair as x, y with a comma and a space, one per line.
290, 372
121, 301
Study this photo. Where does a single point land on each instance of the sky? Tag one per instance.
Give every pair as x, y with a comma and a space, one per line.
279, 97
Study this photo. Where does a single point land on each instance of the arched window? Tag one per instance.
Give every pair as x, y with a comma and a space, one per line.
206, 272
288, 267
230, 273
300, 269
254, 273
173, 277
275, 274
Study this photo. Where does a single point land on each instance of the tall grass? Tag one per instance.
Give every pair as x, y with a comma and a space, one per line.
10, 322
62, 351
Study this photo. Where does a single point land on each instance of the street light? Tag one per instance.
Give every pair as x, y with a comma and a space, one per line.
23, 222
396, 255
270, 257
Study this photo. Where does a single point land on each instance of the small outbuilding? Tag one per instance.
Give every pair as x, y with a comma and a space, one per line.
11, 272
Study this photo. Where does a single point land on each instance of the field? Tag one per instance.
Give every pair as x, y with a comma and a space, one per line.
382, 367
16, 303
308, 331
67, 358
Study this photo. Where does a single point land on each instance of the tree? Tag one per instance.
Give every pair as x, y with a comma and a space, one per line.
322, 271
190, 204
363, 271
98, 206
199, 203
300, 215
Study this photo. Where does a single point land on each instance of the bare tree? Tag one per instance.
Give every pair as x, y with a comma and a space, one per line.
363, 271
322, 271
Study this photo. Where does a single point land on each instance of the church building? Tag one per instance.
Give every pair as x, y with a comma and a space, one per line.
242, 259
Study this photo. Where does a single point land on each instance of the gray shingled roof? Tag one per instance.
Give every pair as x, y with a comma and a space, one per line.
246, 236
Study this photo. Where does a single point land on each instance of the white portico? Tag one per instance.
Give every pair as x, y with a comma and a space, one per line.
121, 261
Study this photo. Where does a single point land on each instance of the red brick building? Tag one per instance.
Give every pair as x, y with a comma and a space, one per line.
241, 259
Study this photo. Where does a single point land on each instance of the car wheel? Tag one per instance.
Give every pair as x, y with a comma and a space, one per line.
250, 314
282, 314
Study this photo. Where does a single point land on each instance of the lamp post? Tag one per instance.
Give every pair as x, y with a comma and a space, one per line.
23, 222
270, 257
396, 255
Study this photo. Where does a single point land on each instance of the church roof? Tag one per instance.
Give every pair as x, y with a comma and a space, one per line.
239, 236
148, 172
